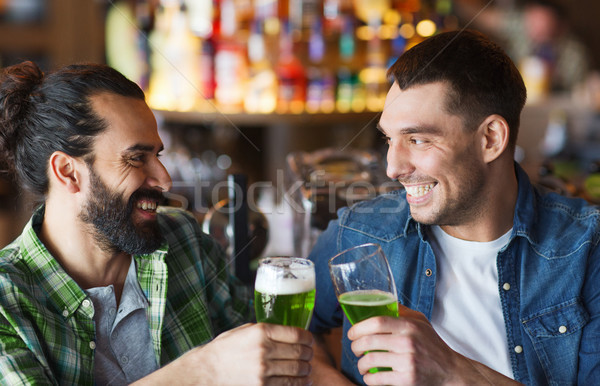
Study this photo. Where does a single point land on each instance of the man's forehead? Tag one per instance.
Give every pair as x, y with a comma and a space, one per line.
130, 124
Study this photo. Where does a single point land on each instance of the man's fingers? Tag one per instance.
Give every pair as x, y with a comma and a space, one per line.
290, 351
286, 334
287, 368
374, 325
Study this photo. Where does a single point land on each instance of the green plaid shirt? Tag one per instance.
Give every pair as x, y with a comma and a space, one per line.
47, 330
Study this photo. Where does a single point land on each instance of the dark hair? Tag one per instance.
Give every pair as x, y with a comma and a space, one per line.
43, 114
482, 78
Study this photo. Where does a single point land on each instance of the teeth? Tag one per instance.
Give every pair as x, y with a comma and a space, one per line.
418, 191
146, 205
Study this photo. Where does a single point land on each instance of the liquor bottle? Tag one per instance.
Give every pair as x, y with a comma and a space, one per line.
291, 76
346, 80
206, 74
261, 90
320, 90
174, 60
374, 76
202, 14
303, 14
231, 68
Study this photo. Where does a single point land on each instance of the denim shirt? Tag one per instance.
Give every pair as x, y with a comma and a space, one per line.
548, 279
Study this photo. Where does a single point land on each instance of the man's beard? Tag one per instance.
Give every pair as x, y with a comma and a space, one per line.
111, 216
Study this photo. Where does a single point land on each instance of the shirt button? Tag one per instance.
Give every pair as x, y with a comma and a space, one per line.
506, 286
85, 303
562, 329
518, 349
428, 272
93, 345
112, 312
124, 359
65, 313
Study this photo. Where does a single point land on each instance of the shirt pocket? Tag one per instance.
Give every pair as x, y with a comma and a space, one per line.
555, 334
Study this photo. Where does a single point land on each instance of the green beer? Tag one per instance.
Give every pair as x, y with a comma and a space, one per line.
284, 291
363, 304
287, 309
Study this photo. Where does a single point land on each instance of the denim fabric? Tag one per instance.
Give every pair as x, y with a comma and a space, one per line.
548, 279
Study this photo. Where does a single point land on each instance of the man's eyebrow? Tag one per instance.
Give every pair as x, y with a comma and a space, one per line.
143, 147
414, 130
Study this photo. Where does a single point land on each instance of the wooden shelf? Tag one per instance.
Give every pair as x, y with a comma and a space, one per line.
267, 120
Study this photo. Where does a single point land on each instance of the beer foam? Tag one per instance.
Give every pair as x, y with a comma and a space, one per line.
268, 284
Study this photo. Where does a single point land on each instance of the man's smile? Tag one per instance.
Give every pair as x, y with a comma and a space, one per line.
147, 205
420, 190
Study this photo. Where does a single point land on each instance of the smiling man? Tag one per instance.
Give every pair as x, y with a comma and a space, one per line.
103, 286
496, 279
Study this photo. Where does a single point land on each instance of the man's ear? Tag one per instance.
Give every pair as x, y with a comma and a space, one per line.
65, 171
495, 137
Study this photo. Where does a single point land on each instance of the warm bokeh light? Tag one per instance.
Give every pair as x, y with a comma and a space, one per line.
365, 32
426, 28
407, 31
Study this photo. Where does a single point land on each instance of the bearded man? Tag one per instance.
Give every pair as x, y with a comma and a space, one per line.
102, 287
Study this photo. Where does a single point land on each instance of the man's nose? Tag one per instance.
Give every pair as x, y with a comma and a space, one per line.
159, 176
398, 161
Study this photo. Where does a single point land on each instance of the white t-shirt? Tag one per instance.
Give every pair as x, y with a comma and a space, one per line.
467, 313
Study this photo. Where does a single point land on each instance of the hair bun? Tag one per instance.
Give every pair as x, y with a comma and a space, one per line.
17, 83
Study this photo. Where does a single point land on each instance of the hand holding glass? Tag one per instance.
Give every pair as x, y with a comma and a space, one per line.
364, 285
284, 291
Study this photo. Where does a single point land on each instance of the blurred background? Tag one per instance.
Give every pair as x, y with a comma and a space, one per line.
287, 93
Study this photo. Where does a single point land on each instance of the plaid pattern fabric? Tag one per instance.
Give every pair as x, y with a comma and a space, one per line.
47, 331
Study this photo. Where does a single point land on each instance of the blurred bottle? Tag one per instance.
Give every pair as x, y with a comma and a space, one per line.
174, 82
261, 91
334, 14
346, 80
303, 14
231, 67
320, 91
373, 76
202, 17
126, 28
291, 76
371, 11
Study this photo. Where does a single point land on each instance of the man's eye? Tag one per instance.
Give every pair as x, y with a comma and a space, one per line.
136, 160
386, 138
417, 141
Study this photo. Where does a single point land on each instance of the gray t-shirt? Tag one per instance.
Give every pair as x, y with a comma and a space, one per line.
124, 350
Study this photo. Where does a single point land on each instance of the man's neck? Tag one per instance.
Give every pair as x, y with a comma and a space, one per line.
74, 246
496, 218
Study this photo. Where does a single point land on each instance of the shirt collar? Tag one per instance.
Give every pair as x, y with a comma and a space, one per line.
65, 294
525, 208
62, 291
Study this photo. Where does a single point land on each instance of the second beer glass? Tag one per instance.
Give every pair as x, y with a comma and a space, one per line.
284, 291
364, 284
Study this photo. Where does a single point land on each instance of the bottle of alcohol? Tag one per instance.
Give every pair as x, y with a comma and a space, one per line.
374, 77
291, 76
174, 81
261, 91
320, 90
231, 68
346, 79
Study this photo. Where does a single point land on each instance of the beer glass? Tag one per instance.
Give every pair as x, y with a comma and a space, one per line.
284, 291
364, 285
